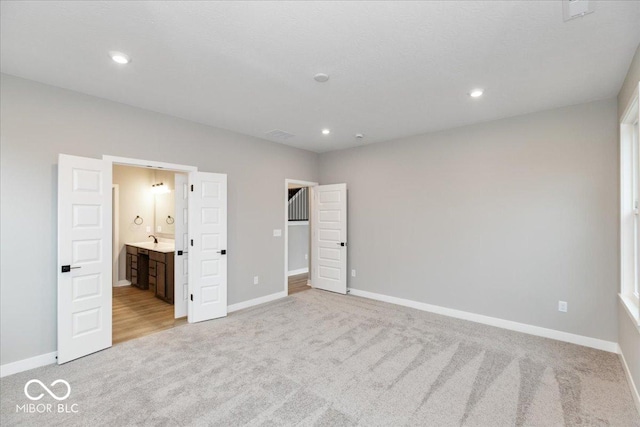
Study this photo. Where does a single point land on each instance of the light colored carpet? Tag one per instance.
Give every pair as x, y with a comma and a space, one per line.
316, 358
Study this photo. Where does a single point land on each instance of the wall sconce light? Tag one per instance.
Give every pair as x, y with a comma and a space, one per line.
159, 188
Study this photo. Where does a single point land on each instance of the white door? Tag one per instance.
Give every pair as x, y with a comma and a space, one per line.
181, 288
84, 256
208, 246
329, 245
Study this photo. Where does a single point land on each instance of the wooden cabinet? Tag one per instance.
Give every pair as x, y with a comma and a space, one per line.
137, 267
161, 273
148, 269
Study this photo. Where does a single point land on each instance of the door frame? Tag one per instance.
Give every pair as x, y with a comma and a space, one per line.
310, 185
151, 164
115, 231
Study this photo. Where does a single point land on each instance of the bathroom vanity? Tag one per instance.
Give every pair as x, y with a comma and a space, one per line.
150, 266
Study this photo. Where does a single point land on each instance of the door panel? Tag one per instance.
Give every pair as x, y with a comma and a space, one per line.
329, 238
181, 281
84, 245
208, 243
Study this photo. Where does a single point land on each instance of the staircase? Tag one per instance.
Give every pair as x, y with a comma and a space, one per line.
298, 204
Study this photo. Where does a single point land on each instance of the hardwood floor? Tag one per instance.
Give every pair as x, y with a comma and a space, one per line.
298, 283
137, 313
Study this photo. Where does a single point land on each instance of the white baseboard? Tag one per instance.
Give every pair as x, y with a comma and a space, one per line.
256, 301
122, 283
632, 384
26, 364
298, 271
494, 321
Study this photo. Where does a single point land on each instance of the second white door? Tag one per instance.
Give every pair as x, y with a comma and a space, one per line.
329, 247
207, 246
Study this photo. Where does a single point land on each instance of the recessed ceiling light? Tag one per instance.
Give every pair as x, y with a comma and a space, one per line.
321, 77
326, 131
359, 135
476, 93
119, 57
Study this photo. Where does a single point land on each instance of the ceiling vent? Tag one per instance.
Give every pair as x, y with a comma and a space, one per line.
572, 9
279, 134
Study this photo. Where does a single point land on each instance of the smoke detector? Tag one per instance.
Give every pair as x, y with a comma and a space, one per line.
359, 135
321, 77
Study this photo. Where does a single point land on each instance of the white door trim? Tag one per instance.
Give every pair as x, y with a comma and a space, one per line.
115, 232
286, 225
114, 160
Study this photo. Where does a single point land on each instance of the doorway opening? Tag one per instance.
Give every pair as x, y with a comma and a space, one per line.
144, 282
297, 235
85, 249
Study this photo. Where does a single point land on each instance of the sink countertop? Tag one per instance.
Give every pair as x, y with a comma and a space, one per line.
158, 247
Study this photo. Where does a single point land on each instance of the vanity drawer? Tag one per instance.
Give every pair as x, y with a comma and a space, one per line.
157, 256
132, 250
143, 251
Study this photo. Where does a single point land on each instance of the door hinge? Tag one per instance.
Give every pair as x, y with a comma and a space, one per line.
191, 187
191, 242
191, 297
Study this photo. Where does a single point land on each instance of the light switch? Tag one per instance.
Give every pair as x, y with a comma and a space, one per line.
277, 233
148, 229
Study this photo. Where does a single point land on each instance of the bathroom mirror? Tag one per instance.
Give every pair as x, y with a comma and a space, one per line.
165, 213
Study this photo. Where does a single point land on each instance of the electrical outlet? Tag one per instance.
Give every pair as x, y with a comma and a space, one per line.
306, 256
563, 306
277, 233
353, 273
159, 229
148, 229
256, 280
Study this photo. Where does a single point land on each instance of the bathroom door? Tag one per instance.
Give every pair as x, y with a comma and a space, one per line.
208, 246
84, 256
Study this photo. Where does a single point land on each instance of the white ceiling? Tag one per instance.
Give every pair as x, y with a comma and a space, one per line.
397, 68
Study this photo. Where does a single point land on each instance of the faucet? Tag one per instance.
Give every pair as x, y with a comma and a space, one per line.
155, 239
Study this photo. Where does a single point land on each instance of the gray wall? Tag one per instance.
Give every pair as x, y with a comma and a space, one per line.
630, 83
298, 246
501, 219
629, 334
40, 121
